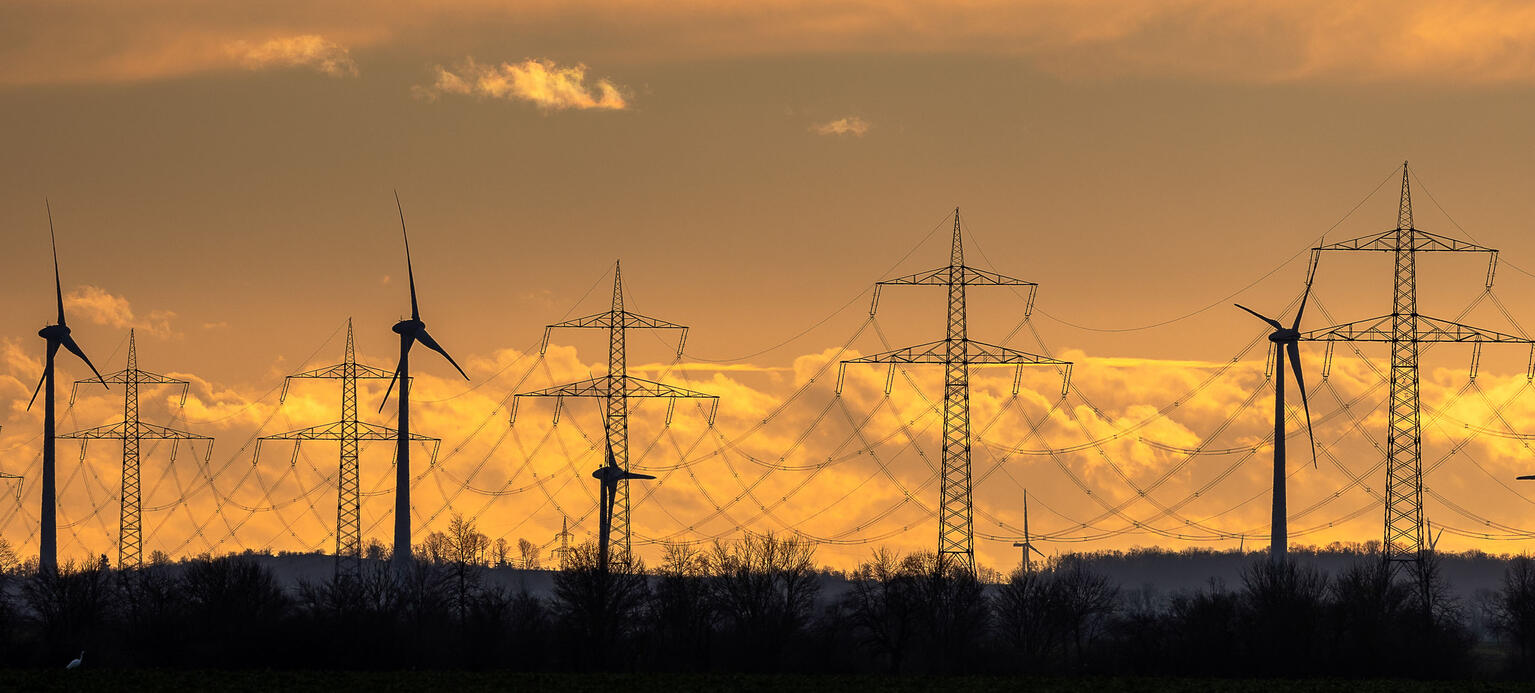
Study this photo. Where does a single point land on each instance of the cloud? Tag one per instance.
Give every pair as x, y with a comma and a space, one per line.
104, 308
1424, 41
850, 125
540, 82
305, 50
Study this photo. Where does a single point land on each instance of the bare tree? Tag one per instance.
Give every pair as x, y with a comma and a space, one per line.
528, 552
600, 608
882, 607
763, 587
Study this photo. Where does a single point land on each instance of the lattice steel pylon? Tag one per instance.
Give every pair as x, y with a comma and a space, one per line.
1405, 329
957, 352
616, 388
130, 545
349, 432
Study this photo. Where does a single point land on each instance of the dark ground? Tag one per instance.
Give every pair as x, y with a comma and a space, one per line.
265, 681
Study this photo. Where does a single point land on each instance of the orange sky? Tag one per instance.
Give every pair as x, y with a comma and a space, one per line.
221, 180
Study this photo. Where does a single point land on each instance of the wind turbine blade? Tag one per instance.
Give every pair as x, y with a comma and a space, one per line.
1527, 477
392, 380
427, 341
1302, 309
1031, 548
69, 343
58, 287
637, 475
1293, 349
611, 461
1274, 323
415, 313
44, 379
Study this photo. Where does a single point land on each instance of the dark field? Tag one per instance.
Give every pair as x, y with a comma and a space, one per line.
162, 680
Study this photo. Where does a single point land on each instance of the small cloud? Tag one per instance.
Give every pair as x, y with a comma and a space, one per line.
215, 325
541, 82
851, 125
384, 281
103, 308
307, 50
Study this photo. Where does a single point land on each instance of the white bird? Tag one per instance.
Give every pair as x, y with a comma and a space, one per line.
75, 663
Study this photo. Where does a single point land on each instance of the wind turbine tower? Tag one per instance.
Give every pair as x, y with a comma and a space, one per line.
56, 335
410, 331
350, 433
1286, 346
131, 431
1404, 329
956, 353
615, 389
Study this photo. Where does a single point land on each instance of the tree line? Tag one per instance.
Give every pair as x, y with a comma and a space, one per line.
760, 604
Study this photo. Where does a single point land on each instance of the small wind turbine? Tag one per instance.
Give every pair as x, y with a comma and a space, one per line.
1286, 344
56, 335
410, 331
1026, 545
609, 475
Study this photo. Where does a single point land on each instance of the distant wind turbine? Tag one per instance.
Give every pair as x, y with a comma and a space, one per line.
609, 474
56, 335
1027, 545
410, 331
1286, 344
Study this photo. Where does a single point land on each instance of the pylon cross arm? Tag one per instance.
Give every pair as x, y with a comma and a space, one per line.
1427, 329
146, 430
632, 387
332, 431
363, 371
969, 276
976, 353
603, 320
637, 321
141, 377
1422, 242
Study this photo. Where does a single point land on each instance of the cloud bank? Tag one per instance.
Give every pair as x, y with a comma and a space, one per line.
105, 308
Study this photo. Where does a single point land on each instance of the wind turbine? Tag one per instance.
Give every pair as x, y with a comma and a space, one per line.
1026, 545
609, 475
410, 331
56, 335
1286, 344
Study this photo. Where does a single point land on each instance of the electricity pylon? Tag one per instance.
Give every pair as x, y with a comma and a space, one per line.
957, 352
616, 388
350, 433
1405, 329
563, 552
130, 544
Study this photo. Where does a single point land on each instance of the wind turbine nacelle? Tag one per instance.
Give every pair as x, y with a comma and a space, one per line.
408, 326
1285, 336
610, 474
54, 332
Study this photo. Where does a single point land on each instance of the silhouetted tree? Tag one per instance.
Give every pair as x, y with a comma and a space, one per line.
950, 607
680, 615
1282, 603
1514, 610
1029, 618
72, 607
600, 609
763, 588
234, 609
881, 606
